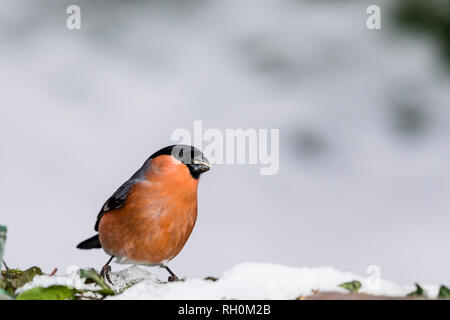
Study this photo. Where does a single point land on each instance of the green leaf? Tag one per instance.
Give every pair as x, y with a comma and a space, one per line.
5, 295
444, 292
26, 276
420, 292
11, 273
13, 279
92, 275
5, 285
352, 287
50, 293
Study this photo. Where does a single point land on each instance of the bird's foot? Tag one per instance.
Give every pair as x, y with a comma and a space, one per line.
106, 272
173, 278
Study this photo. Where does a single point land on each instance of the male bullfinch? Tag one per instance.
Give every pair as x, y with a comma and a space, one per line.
150, 217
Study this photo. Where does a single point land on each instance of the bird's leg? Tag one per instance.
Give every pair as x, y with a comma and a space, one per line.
106, 270
173, 276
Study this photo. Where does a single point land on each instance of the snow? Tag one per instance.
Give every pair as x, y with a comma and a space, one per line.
248, 280
263, 281
71, 279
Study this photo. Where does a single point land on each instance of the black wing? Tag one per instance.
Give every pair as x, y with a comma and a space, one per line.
118, 199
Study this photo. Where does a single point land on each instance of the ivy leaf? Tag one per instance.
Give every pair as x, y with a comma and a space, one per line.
444, 292
50, 293
352, 286
3, 283
5, 295
420, 292
26, 276
13, 279
92, 275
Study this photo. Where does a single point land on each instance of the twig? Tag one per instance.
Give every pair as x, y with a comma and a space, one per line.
8, 271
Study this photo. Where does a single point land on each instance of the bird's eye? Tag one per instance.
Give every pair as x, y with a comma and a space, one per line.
181, 153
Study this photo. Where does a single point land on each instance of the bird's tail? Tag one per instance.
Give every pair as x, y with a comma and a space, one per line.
91, 243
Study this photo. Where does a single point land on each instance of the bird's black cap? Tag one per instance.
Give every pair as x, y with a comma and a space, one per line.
192, 157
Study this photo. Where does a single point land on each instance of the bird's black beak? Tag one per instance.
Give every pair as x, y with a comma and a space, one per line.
201, 165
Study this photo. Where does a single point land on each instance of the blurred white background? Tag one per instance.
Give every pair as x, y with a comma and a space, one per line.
363, 115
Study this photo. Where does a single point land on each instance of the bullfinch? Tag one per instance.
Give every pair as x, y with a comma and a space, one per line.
150, 217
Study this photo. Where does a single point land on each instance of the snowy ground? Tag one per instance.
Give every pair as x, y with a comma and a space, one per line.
244, 281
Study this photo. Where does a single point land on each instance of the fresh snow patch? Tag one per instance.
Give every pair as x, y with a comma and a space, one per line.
72, 280
261, 281
246, 280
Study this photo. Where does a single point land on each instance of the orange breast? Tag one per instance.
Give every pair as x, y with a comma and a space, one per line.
158, 216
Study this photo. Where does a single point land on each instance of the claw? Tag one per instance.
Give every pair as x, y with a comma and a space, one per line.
172, 278
105, 273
